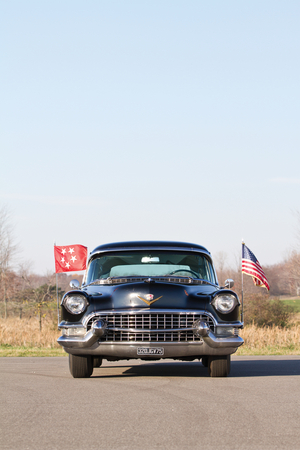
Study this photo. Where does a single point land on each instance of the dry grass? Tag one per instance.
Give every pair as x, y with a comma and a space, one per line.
22, 337
273, 340
26, 333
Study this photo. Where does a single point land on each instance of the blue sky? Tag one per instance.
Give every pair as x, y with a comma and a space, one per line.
125, 120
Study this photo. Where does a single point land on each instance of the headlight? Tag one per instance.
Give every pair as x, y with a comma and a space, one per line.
75, 304
225, 303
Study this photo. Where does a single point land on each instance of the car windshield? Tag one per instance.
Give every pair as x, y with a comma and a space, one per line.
152, 263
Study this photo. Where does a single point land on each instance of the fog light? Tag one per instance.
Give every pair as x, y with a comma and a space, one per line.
225, 331
73, 331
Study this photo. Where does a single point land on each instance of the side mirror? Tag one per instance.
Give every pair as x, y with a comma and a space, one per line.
74, 284
229, 283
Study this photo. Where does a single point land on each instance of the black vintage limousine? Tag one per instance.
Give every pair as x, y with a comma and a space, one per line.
150, 300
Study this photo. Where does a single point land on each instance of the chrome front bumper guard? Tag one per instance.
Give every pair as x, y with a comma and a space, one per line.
99, 328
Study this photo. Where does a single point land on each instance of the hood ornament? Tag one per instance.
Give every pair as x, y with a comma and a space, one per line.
149, 299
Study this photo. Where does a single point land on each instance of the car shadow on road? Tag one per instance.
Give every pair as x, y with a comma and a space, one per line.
172, 369
265, 368
248, 368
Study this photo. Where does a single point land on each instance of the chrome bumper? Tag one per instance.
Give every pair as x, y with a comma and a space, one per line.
209, 343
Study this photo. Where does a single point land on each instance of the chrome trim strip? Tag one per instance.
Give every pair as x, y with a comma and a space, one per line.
150, 330
65, 324
151, 311
111, 281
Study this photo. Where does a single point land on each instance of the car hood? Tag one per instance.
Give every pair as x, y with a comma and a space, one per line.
149, 295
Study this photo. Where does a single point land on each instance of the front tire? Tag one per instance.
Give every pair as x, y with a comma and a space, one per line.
219, 366
97, 361
80, 366
205, 361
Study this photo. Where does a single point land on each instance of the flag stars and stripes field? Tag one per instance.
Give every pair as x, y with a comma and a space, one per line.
251, 266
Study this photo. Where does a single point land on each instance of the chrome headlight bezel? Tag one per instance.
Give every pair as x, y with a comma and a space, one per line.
225, 303
75, 303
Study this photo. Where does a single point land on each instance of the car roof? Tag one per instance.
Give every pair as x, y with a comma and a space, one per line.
144, 245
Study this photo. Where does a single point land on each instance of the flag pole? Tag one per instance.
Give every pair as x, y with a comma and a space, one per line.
242, 313
57, 301
58, 318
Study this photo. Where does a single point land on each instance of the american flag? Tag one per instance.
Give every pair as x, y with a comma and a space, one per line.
251, 266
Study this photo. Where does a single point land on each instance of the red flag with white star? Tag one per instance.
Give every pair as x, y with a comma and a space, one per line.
70, 258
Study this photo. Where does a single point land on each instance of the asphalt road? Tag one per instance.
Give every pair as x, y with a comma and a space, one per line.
155, 405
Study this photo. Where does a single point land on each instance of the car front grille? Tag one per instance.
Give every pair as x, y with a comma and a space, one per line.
136, 327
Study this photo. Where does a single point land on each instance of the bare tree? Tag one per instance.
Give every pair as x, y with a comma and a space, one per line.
220, 261
8, 250
297, 233
292, 262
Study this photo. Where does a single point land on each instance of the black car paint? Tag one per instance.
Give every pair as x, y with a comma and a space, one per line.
165, 296
138, 245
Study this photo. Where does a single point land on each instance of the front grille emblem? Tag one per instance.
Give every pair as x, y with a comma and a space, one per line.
149, 299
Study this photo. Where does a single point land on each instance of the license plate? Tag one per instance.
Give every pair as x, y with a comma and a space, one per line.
150, 351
